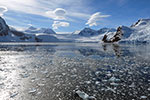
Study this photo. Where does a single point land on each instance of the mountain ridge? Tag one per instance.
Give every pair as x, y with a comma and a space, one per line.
139, 31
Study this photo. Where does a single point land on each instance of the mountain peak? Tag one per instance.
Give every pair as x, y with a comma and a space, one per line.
87, 32
141, 22
32, 28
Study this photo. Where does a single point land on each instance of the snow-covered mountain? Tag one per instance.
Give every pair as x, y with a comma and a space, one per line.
90, 32
138, 32
32, 29
10, 34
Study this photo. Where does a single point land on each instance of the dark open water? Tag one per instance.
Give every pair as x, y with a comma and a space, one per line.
56, 71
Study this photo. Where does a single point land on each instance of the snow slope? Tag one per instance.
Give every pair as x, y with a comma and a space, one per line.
140, 31
42, 37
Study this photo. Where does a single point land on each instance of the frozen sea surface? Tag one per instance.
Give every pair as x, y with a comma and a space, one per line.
74, 71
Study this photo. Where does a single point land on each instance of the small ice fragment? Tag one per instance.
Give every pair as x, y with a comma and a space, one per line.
82, 95
104, 80
39, 93
85, 96
113, 79
108, 74
63, 74
45, 72
96, 73
92, 98
130, 72
114, 84
148, 89
110, 89
143, 97
132, 85
41, 84
97, 82
47, 76
87, 82
73, 76
1, 83
13, 94
33, 90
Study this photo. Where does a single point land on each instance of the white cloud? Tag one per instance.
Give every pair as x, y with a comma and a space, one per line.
57, 14
3, 10
58, 24
95, 19
60, 11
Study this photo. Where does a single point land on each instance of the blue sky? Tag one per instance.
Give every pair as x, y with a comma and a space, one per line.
71, 15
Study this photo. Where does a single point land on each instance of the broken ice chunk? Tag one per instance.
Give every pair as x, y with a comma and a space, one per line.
84, 96
110, 89
33, 90
40, 84
113, 79
108, 74
114, 84
97, 82
96, 73
87, 82
132, 85
143, 97
12, 95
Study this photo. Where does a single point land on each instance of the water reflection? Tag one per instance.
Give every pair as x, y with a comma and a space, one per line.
115, 48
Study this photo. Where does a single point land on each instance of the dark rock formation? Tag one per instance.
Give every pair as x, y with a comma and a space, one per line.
115, 38
3, 27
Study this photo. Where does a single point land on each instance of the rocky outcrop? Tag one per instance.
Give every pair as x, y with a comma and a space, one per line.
115, 38
4, 29
141, 22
